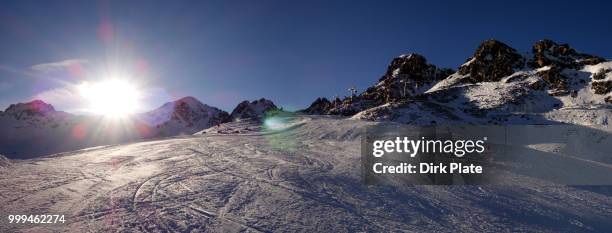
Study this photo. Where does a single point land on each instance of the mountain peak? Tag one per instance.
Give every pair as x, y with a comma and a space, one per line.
406, 63
187, 99
32, 108
252, 110
547, 52
411, 56
320, 106
492, 61
406, 75
185, 115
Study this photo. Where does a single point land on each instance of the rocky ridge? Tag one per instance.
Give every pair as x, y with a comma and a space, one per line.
252, 110
493, 86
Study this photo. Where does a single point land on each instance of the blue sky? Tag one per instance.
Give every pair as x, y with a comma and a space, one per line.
291, 52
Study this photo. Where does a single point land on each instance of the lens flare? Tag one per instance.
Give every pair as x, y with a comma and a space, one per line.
114, 97
276, 126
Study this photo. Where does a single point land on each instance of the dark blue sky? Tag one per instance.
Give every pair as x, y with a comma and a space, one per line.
222, 52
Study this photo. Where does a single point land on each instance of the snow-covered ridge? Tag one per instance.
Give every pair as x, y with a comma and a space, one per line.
36, 128
496, 85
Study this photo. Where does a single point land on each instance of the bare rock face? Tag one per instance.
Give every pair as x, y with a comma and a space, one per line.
559, 57
547, 52
320, 106
601, 74
404, 77
555, 81
252, 110
492, 61
602, 88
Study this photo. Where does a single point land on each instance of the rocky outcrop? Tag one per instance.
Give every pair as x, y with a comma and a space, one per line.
252, 110
602, 88
492, 61
406, 76
547, 52
320, 106
601, 74
349, 106
496, 78
554, 80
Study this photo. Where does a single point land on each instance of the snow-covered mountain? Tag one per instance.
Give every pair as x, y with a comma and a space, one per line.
252, 110
184, 116
497, 85
36, 128
34, 114
24, 126
31, 110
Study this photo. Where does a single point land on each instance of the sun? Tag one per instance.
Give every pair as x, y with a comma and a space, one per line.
113, 97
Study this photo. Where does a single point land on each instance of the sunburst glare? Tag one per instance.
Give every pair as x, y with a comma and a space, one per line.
113, 97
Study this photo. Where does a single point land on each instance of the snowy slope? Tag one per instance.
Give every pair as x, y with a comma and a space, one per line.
304, 177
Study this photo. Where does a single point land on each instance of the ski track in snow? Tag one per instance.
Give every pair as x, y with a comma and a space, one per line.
305, 178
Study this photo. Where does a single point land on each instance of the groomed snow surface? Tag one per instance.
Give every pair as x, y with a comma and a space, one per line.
247, 177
